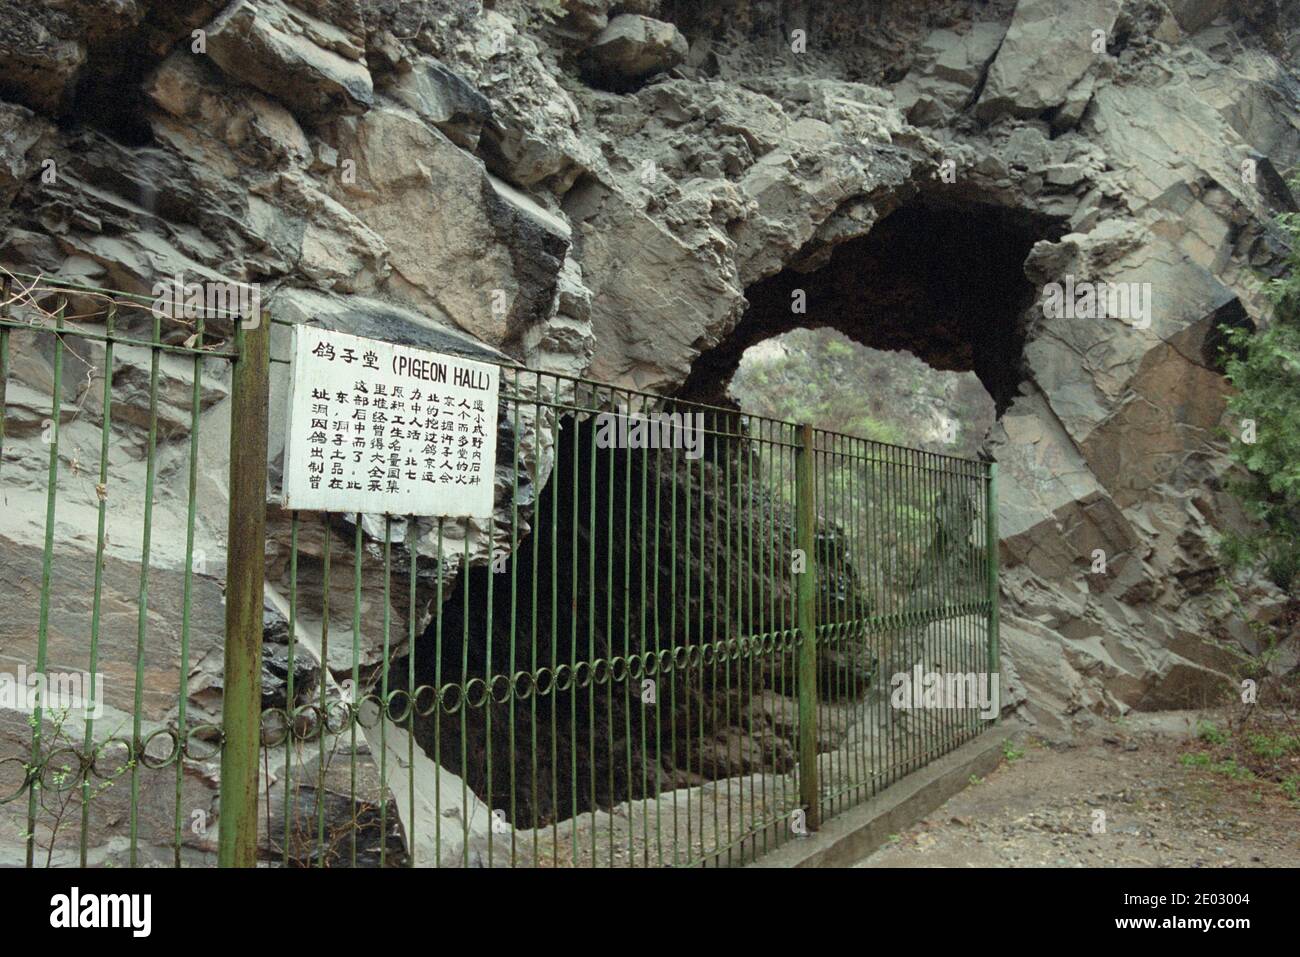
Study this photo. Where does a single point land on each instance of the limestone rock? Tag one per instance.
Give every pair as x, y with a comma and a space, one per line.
585, 18
1192, 15
441, 97
292, 57
42, 54
482, 256
633, 48
513, 188
21, 132
1049, 47
648, 322
948, 68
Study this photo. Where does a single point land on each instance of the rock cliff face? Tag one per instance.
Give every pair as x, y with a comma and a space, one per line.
644, 183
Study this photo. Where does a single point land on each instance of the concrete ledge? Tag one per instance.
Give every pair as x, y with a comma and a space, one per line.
852, 835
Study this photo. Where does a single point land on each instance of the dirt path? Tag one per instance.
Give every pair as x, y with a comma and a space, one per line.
1161, 808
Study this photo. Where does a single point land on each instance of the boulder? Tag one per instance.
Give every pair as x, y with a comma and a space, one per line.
633, 48
1049, 47
467, 248
292, 57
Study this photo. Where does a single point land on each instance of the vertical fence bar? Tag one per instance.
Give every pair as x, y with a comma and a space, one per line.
43, 628
142, 605
245, 555
187, 600
991, 518
807, 530
105, 436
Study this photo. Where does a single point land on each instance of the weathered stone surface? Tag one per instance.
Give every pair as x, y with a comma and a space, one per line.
440, 97
1049, 47
21, 132
648, 322
291, 56
1192, 15
633, 48
483, 256
948, 68
257, 127
43, 49
533, 137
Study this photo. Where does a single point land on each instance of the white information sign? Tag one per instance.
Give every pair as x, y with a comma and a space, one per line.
386, 429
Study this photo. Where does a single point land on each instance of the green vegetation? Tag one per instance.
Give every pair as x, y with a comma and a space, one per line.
1228, 767
1273, 746
1011, 752
1291, 787
1265, 369
1210, 732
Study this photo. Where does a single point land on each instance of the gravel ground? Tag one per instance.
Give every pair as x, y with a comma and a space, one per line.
1041, 809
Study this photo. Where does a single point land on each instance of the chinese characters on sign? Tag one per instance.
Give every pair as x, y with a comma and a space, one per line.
386, 429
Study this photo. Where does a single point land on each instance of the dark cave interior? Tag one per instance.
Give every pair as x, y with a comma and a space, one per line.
944, 282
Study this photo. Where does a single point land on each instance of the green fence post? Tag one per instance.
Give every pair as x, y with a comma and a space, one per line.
245, 553
806, 507
991, 519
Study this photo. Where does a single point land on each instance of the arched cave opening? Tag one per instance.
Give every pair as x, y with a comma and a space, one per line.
942, 281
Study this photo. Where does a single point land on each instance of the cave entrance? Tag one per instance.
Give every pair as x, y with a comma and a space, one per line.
651, 565
944, 282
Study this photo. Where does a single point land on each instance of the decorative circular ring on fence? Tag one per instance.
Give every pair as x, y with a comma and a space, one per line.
505, 685
699, 656
62, 770
307, 721
22, 776
447, 696
614, 674
522, 685
337, 718
120, 750
544, 682
600, 670
155, 759
423, 693
369, 708
402, 715
476, 693
582, 674
642, 665
563, 677
273, 728
709, 654
215, 746
680, 657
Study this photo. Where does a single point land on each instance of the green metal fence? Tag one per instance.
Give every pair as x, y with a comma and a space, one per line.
120, 773
684, 653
